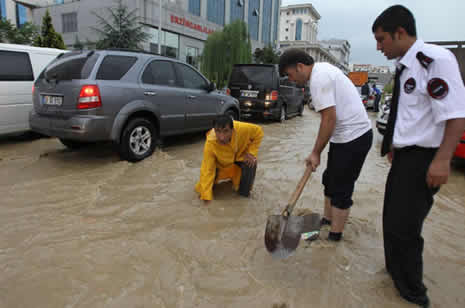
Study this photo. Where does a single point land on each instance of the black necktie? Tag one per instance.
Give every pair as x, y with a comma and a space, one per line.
389, 134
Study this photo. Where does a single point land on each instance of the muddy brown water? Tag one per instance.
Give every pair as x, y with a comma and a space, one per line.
84, 229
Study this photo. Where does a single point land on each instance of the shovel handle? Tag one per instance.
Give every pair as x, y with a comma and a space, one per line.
295, 196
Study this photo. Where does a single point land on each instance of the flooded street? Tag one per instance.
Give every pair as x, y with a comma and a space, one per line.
84, 229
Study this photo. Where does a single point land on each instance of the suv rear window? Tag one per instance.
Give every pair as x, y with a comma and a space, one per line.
68, 67
255, 75
15, 66
115, 67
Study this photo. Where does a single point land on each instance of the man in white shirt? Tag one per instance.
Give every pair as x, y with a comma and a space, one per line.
344, 123
426, 121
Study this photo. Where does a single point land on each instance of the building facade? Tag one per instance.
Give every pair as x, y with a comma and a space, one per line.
15, 11
185, 24
299, 29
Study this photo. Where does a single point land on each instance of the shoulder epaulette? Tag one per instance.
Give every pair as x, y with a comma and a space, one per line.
425, 61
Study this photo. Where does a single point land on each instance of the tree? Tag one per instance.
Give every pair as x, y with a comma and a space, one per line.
48, 36
121, 30
267, 55
25, 34
225, 48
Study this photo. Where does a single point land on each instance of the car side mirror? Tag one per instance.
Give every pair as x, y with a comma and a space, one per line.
211, 87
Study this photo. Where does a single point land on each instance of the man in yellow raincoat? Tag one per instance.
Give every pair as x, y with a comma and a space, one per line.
230, 152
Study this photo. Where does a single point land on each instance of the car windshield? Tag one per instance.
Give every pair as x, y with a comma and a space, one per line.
258, 76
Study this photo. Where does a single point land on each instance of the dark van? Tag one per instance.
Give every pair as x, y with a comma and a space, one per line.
263, 94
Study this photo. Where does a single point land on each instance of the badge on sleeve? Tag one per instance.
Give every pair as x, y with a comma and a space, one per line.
438, 88
410, 85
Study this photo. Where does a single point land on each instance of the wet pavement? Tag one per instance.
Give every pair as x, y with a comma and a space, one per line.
84, 229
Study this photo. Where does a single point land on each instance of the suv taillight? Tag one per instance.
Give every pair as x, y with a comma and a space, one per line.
89, 97
228, 91
273, 96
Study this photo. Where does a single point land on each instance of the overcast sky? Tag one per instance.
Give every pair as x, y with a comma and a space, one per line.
436, 20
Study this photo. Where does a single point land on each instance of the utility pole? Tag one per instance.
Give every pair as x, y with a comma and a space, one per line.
159, 30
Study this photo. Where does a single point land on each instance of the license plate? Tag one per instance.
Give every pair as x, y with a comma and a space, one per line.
252, 94
52, 100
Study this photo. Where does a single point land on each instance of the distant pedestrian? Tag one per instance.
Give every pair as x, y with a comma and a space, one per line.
428, 103
377, 94
344, 123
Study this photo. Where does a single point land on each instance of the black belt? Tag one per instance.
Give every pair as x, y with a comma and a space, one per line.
415, 148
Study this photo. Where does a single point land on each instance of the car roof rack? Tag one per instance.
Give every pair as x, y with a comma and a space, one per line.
133, 50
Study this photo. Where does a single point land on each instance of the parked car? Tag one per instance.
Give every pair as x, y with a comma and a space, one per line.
20, 65
262, 93
129, 98
383, 115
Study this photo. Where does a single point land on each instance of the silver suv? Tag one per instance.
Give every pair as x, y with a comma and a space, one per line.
130, 98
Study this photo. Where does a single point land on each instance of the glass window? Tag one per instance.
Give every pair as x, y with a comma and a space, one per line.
194, 7
159, 73
21, 15
59, 1
2, 9
169, 42
215, 11
191, 79
72, 66
192, 56
266, 20
237, 10
115, 67
69, 22
298, 30
16, 66
253, 19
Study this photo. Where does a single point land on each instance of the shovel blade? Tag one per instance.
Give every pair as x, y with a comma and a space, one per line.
282, 235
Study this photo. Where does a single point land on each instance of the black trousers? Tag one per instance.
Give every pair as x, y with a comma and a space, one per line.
345, 161
407, 202
247, 178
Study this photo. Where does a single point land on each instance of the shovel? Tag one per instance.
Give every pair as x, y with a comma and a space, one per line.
283, 232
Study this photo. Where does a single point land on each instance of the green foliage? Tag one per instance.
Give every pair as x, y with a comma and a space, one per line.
388, 87
121, 29
223, 49
48, 36
267, 55
25, 34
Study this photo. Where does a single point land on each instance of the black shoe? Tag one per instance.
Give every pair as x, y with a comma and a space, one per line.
422, 301
325, 221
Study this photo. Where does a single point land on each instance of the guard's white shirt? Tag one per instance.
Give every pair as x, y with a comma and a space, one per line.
330, 87
421, 119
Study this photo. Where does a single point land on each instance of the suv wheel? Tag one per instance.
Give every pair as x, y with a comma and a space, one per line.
282, 114
137, 140
73, 144
232, 114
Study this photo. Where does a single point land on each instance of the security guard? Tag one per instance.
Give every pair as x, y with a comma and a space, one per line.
230, 153
426, 121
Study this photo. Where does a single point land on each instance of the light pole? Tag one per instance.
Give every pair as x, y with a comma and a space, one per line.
159, 30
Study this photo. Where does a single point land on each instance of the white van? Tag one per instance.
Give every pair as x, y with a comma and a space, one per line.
20, 65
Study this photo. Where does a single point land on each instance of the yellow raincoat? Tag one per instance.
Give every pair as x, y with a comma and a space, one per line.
246, 138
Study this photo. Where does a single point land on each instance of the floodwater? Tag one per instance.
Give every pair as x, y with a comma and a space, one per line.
84, 229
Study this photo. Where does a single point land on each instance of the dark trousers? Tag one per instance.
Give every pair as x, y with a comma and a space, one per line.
376, 103
345, 161
407, 202
247, 178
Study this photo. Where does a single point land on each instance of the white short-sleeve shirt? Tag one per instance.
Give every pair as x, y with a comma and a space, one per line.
431, 92
330, 87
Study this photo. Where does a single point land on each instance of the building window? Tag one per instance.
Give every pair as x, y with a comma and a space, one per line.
21, 15
169, 42
59, 1
287, 29
237, 10
266, 20
215, 11
298, 30
69, 22
192, 56
2, 9
194, 7
254, 5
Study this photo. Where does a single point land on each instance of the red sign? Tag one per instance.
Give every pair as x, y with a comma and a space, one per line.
189, 24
